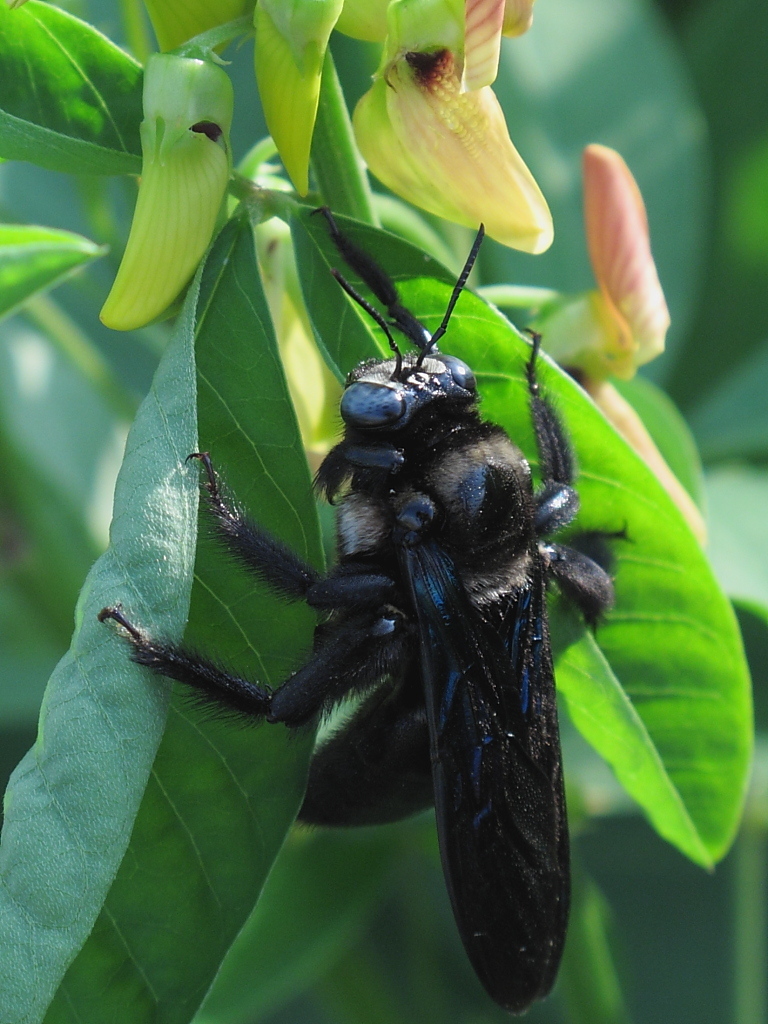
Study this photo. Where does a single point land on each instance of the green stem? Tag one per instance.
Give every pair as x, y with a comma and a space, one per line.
79, 350
336, 161
515, 296
135, 28
751, 924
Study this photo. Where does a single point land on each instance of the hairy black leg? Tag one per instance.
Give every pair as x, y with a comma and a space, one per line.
211, 684
347, 657
345, 458
556, 507
595, 544
377, 279
376, 768
342, 589
272, 561
555, 453
581, 579
281, 569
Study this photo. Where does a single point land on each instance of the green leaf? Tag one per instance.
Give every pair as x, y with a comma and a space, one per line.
70, 100
71, 803
319, 893
34, 259
672, 640
607, 718
221, 796
668, 430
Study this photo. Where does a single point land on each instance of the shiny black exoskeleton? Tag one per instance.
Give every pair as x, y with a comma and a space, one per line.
436, 614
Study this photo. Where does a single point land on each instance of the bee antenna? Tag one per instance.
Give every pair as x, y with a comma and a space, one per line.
458, 288
375, 315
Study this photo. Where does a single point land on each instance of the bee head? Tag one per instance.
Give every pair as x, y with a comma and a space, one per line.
379, 399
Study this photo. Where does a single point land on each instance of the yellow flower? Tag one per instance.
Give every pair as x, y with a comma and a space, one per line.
185, 170
364, 19
175, 22
623, 324
486, 22
518, 16
440, 142
291, 40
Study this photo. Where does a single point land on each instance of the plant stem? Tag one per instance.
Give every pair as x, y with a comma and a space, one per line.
135, 28
750, 952
514, 296
79, 350
336, 162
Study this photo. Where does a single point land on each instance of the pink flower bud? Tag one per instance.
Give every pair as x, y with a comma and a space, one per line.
620, 251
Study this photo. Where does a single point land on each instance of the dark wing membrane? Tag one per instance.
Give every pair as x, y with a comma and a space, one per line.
497, 775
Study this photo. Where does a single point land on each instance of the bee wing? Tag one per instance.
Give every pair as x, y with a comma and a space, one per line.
497, 775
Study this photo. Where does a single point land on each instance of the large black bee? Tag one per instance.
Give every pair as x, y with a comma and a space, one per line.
436, 614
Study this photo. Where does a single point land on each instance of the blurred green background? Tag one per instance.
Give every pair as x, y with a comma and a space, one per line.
680, 88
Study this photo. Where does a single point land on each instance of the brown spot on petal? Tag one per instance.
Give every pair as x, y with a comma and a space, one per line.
208, 128
431, 67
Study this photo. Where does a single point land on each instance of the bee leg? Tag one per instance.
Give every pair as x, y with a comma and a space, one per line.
555, 454
257, 550
212, 684
349, 656
556, 506
581, 579
376, 768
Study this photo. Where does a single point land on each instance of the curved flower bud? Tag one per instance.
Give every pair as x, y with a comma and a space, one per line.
364, 19
620, 250
185, 170
291, 40
174, 23
612, 331
518, 17
449, 151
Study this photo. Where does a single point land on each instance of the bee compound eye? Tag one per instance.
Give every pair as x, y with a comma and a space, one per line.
461, 373
366, 404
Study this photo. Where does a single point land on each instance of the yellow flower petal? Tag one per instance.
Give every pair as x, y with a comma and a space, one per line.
449, 152
185, 170
482, 42
364, 19
176, 21
620, 250
172, 225
584, 333
289, 58
518, 17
